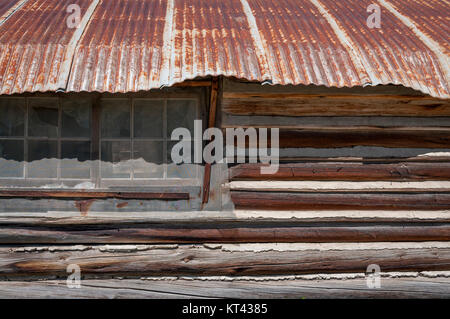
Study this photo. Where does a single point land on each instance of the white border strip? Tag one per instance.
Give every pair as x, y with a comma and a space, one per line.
298, 186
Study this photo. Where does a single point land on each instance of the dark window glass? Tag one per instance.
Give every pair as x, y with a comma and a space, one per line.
11, 158
43, 117
115, 119
76, 117
12, 117
148, 118
181, 113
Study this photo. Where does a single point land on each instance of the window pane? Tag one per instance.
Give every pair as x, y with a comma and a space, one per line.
115, 119
12, 117
116, 159
181, 113
42, 159
148, 160
43, 117
76, 117
11, 158
75, 159
148, 118
181, 170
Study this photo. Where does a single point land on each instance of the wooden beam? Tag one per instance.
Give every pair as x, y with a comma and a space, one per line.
211, 123
91, 194
351, 137
285, 104
250, 218
340, 200
241, 232
342, 171
232, 288
222, 260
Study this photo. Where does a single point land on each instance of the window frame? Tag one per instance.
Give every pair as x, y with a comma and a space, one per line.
149, 181
198, 94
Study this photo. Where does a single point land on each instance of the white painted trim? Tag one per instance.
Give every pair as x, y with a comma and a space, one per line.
299, 186
232, 215
328, 246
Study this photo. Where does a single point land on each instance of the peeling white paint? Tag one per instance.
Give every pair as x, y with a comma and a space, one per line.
334, 185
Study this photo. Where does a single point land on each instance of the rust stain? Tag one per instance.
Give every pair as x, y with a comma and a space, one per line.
6, 5
84, 205
122, 205
124, 47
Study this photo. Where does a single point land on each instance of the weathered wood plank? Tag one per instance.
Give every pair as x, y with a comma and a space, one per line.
281, 232
349, 137
339, 201
293, 104
257, 217
211, 123
248, 259
229, 120
91, 194
242, 86
345, 171
265, 288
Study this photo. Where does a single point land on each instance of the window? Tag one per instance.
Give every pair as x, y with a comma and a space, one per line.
48, 140
135, 138
35, 132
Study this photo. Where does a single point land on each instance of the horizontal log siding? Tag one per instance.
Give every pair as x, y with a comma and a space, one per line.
291, 104
222, 260
237, 232
346, 171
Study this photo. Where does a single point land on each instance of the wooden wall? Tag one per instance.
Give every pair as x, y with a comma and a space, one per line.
364, 179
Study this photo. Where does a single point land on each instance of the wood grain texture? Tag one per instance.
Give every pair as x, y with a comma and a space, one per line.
91, 194
346, 171
339, 200
211, 123
221, 260
294, 104
225, 232
391, 288
224, 217
435, 138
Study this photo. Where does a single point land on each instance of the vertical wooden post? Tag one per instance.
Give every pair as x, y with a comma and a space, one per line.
211, 123
95, 138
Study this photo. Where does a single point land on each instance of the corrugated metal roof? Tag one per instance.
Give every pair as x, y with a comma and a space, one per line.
132, 45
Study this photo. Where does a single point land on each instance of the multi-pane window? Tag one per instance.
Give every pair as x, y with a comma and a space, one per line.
36, 132
135, 138
50, 139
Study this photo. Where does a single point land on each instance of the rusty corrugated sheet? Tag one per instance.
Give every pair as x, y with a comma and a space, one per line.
33, 46
132, 45
393, 53
5, 5
122, 48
